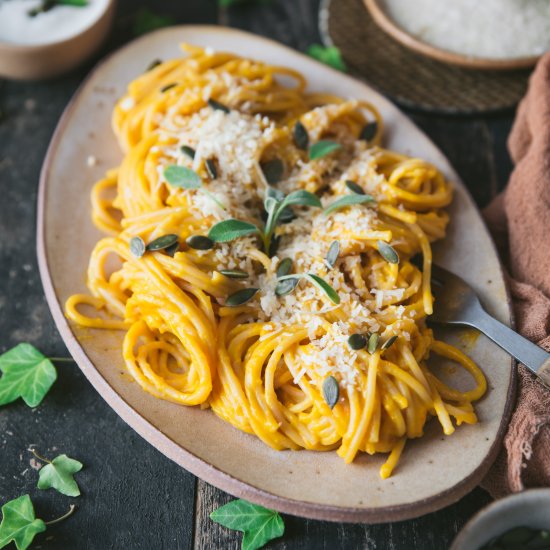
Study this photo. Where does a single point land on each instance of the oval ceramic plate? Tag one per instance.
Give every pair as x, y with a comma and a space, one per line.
378, 11
434, 470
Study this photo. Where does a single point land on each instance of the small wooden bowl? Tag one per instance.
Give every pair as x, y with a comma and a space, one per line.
39, 61
386, 23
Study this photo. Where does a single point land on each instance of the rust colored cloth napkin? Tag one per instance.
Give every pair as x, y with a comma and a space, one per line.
519, 219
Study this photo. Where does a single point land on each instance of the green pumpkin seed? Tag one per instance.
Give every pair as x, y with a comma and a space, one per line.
357, 341
333, 253
168, 87
137, 247
286, 286
369, 131
234, 273
388, 252
199, 242
331, 391
153, 64
354, 187
217, 106
273, 170
163, 242
211, 169
389, 342
171, 250
284, 267
301, 137
240, 297
373, 342
189, 151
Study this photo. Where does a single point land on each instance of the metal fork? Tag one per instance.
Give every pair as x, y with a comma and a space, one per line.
457, 304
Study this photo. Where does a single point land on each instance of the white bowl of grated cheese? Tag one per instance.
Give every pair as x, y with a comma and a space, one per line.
493, 34
44, 38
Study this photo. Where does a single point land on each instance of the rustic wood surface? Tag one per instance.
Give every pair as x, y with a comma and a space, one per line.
133, 497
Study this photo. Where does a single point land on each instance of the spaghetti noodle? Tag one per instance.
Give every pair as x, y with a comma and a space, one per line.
303, 348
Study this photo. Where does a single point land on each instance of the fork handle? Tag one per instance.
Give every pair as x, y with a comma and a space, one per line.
532, 356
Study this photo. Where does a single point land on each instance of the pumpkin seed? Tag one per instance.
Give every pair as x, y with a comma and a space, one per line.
284, 267
354, 187
301, 137
163, 242
369, 131
171, 250
331, 391
373, 342
240, 297
357, 341
273, 170
286, 215
389, 342
234, 273
286, 286
199, 242
168, 87
137, 247
388, 252
332, 254
217, 106
153, 64
211, 169
189, 151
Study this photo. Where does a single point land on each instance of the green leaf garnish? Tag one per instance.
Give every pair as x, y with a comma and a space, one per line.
347, 200
229, 230
331, 391
58, 474
259, 524
146, 21
301, 198
165, 241
19, 523
332, 254
27, 373
181, 176
323, 148
240, 297
324, 286
328, 55
275, 193
387, 252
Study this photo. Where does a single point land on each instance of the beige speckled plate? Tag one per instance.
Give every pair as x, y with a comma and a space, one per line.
434, 471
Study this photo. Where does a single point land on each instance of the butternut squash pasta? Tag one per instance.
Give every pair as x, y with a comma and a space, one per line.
263, 240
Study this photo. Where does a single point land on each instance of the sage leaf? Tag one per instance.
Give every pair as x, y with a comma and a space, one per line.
240, 297
181, 176
229, 230
259, 524
27, 373
354, 187
300, 135
368, 132
165, 241
58, 474
388, 252
324, 286
273, 170
275, 194
331, 391
286, 286
302, 198
332, 254
19, 523
137, 247
323, 148
284, 267
330, 55
347, 200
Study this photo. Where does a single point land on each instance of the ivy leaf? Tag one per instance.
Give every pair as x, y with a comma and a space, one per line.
324, 286
328, 55
231, 229
27, 373
77, 3
58, 474
259, 524
229, 3
19, 523
323, 148
181, 176
147, 21
347, 200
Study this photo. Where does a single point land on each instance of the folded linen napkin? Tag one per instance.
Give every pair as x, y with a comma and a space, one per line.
519, 219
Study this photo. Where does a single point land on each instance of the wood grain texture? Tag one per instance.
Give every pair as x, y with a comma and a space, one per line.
132, 496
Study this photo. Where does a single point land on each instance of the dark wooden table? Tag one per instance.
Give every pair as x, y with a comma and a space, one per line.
134, 497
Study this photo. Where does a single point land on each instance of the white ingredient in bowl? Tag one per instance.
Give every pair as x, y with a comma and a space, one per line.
496, 29
57, 24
